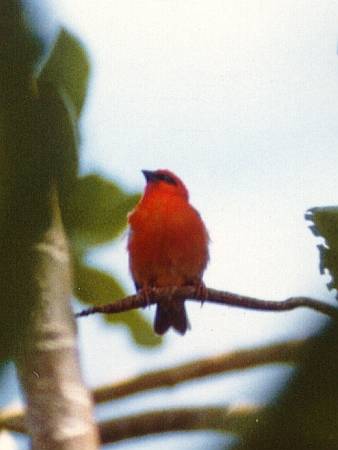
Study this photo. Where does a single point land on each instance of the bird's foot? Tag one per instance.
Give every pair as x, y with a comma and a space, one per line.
201, 292
144, 293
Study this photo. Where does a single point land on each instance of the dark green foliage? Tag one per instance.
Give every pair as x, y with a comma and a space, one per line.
38, 135
325, 224
57, 124
25, 41
25, 162
43, 82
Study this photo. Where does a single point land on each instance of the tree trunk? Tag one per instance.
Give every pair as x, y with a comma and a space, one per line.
58, 406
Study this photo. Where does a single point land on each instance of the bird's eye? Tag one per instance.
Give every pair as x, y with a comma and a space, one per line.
167, 178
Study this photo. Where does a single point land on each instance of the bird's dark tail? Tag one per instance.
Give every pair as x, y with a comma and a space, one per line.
172, 315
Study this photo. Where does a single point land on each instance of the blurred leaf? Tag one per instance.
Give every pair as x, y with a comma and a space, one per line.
44, 148
97, 210
39, 145
58, 124
325, 221
25, 40
68, 67
139, 327
325, 224
95, 286
92, 286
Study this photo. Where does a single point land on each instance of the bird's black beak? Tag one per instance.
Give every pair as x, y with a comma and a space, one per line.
149, 175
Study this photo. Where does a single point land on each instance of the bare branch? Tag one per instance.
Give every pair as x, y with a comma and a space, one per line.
156, 295
287, 352
13, 419
234, 420
231, 419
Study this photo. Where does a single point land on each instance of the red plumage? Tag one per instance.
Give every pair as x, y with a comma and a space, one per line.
167, 245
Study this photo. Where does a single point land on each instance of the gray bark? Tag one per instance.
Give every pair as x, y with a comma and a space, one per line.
58, 405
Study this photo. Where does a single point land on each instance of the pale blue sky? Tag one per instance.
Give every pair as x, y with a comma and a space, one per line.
240, 98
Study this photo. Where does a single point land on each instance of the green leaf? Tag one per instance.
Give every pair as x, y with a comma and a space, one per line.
68, 68
140, 329
325, 224
93, 286
58, 127
97, 211
25, 40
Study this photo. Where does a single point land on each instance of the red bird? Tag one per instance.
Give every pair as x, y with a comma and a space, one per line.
167, 245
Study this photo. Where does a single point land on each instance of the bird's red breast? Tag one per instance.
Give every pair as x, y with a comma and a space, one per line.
168, 242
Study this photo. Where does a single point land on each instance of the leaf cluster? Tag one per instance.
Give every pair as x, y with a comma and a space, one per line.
325, 224
44, 73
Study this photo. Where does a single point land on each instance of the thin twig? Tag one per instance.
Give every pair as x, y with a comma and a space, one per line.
287, 352
156, 295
